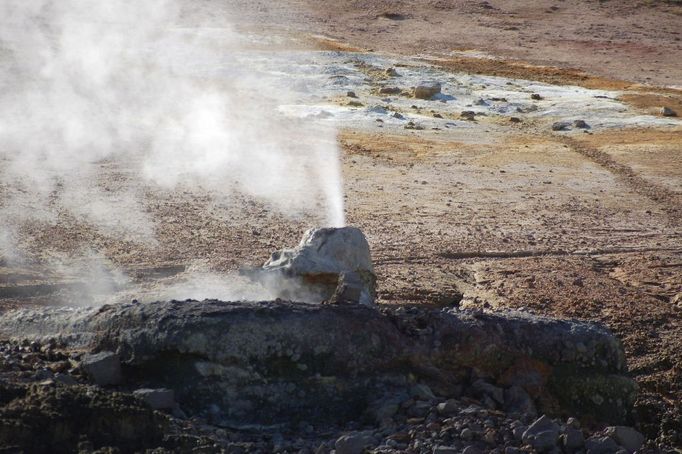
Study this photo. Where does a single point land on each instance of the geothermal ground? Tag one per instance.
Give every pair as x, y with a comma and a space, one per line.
513, 204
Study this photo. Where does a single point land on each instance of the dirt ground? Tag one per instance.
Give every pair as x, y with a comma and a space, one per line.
583, 226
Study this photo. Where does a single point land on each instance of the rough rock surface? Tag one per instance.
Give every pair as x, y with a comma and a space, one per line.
264, 362
427, 89
104, 368
324, 259
55, 419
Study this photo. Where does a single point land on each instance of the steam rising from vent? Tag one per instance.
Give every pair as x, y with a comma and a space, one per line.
86, 84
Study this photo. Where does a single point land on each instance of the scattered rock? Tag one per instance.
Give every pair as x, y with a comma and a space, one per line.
535, 96
65, 379
390, 91
468, 115
351, 94
601, 445
471, 450
561, 126
355, 104
627, 437
391, 72
517, 400
481, 387
445, 450
668, 112
573, 439
354, 443
543, 434
515, 119
449, 407
427, 89
158, 399
103, 368
422, 391
580, 124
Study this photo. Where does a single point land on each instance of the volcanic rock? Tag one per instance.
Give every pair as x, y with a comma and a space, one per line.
281, 362
627, 437
158, 399
328, 262
427, 89
601, 445
668, 112
561, 126
103, 368
354, 443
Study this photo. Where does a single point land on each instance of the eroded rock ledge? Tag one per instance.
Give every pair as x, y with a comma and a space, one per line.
279, 362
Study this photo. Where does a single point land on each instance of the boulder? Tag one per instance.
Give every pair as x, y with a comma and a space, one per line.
627, 437
517, 400
158, 399
601, 445
542, 435
561, 126
573, 439
327, 261
668, 112
104, 368
427, 89
354, 443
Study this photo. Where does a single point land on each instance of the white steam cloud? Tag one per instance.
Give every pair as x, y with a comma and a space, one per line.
91, 83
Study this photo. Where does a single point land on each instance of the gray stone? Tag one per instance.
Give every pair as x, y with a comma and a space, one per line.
581, 124
103, 368
445, 450
43, 374
517, 400
427, 89
422, 391
448, 408
481, 387
544, 441
573, 439
354, 443
467, 434
324, 260
471, 450
668, 112
627, 437
601, 445
65, 379
390, 91
561, 126
543, 434
158, 399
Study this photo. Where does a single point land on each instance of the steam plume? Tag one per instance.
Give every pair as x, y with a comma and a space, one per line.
84, 83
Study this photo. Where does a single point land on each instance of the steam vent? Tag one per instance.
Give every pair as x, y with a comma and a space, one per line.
283, 364
331, 264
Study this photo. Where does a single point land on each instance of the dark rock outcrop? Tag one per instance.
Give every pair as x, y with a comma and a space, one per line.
276, 362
